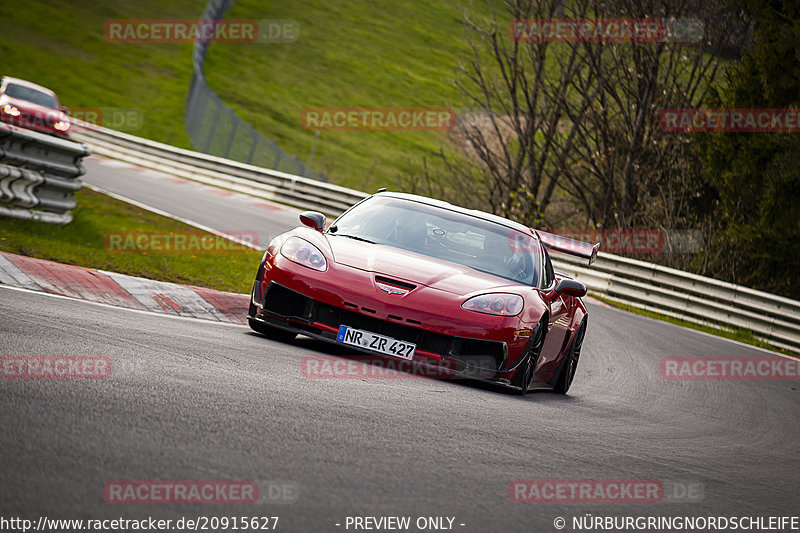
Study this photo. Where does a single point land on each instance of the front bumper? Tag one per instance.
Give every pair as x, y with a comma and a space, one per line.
34, 126
445, 355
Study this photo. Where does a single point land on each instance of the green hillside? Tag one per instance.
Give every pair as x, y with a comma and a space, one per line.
349, 54
60, 44
358, 53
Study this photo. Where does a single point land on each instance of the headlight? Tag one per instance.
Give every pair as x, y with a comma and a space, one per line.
9, 109
304, 253
498, 303
61, 125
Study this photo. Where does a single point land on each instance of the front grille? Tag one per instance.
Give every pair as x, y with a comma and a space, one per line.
425, 340
36, 119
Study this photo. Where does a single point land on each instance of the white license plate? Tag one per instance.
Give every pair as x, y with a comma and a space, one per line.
377, 343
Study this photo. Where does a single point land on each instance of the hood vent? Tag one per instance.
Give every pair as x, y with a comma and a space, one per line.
395, 283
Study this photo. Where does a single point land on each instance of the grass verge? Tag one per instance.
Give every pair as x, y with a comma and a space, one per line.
82, 243
744, 336
353, 54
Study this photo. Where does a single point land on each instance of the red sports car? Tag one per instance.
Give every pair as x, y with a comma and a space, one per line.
424, 281
32, 107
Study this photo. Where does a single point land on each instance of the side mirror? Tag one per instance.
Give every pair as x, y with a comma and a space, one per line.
65, 110
313, 219
570, 287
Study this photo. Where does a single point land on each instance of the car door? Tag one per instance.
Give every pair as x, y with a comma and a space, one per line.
557, 326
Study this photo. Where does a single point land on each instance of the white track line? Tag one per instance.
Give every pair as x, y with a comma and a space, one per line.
173, 217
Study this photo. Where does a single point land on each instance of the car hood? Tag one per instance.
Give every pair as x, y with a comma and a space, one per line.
414, 268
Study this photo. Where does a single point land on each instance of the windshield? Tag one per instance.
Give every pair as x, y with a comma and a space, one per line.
433, 231
31, 95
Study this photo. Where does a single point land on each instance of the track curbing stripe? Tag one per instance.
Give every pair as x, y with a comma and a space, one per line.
120, 290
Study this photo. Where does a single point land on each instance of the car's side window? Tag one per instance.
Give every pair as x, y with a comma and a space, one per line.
549, 276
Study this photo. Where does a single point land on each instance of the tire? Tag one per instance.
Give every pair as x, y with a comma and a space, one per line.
571, 361
270, 332
524, 374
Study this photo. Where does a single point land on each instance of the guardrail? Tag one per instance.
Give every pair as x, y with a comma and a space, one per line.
274, 185
39, 174
687, 296
644, 285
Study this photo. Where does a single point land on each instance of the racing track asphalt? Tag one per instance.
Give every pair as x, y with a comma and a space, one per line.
218, 209
189, 399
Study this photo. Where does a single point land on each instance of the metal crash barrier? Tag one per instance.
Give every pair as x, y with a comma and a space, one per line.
687, 296
39, 175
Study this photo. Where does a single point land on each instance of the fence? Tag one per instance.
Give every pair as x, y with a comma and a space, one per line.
214, 128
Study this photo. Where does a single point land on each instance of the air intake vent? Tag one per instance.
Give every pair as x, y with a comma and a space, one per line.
395, 283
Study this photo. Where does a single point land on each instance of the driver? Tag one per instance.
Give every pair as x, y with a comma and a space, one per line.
411, 232
496, 253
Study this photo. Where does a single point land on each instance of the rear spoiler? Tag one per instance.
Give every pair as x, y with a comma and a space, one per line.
566, 245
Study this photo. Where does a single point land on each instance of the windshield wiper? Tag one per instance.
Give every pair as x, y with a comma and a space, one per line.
355, 237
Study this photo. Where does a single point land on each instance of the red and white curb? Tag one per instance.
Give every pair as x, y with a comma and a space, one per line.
121, 290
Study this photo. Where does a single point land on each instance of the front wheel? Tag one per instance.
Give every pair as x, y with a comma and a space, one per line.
571, 361
524, 375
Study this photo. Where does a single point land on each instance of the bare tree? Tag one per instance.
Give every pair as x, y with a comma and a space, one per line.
517, 91
622, 161
574, 122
